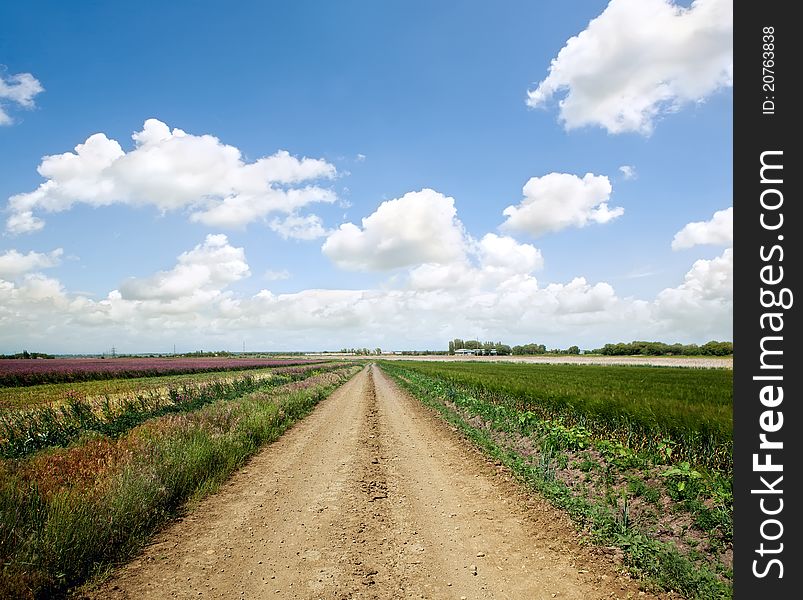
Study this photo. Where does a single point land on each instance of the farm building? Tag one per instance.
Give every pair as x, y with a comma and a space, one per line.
474, 351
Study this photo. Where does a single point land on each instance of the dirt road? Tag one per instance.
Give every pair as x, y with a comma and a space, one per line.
371, 496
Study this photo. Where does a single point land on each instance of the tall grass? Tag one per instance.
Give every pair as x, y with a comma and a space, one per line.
57, 531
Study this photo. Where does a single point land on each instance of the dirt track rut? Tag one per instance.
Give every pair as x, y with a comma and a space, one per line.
371, 496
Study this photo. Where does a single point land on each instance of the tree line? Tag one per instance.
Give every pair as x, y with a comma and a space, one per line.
361, 351
712, 348
637, 348
27, 355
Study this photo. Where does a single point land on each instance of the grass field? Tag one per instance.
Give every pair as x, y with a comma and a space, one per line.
641, 457
642, 407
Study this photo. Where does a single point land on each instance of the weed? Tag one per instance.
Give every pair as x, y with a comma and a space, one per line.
638, 487
683, 482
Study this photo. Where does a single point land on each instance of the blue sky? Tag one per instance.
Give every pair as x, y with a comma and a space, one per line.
397, 215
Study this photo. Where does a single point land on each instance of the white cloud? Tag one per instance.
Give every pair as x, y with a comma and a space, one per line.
420, 227
578, 296
308, 227
19, 90
560, 200
432, 276
704, 301
489, 262
717, 231
485, 289
505, 255
514, 308
638, 60
13, 263
172, 170
33, 308
628, 171
209, 267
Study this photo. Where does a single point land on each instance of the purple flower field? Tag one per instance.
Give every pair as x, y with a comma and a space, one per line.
21, 372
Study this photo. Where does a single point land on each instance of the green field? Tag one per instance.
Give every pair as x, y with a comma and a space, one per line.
642, 407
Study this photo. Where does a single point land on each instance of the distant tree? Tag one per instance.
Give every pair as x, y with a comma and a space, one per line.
573, 350
641, 348
529, 349
714, 348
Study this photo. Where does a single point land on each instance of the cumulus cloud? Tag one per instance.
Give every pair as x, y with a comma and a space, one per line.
578, 296
209, 267
17, 90
628, 171
638, 60
486, 288
190, 298
298, 227
560, 200
489, 262
504, 255
172, 170
13, 263
514, 307
420, 227
704, 301
717, 231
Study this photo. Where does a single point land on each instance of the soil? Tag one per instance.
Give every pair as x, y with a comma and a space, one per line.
372, 496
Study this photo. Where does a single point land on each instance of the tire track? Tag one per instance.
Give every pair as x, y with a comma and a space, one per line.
369, 551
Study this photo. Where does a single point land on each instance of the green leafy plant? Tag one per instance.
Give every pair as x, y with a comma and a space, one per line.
682, 479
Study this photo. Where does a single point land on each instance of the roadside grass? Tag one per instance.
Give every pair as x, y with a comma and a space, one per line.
672, 520
69, 513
